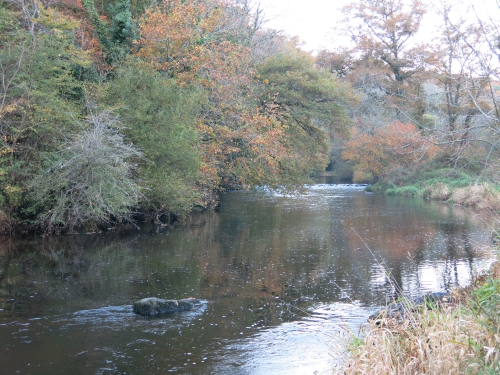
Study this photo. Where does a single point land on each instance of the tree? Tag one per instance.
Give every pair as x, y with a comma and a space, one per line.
90, 180
384, 31
203, 44
115, 37
210, 99
452, 63
39, 95
453, 68
181, 37
367, 77
465, 70
310, 102
160, 119
397, 145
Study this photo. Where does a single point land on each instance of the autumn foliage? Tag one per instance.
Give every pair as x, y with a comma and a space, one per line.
397, 145
205, 98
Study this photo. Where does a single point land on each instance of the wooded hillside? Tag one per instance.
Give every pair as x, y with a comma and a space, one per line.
112, 110
117, 110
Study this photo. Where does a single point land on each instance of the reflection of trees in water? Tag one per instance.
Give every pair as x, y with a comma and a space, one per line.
256, 255
55, 271
385, 237
89, 271
320, 256
262, 265
198, 257
458, 246
403, 243
451, 256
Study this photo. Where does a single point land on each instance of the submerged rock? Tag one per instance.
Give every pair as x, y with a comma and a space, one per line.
155, 306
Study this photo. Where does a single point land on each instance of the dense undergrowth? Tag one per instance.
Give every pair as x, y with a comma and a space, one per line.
463, 338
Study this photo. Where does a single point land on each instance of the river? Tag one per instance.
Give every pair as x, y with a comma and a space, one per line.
285, 280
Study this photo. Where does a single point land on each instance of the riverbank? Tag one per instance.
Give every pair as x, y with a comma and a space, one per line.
448, 186
463, 338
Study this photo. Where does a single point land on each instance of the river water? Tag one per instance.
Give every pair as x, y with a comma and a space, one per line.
284, 281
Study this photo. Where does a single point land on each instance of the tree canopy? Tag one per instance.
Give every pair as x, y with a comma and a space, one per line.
445, 87
149, 111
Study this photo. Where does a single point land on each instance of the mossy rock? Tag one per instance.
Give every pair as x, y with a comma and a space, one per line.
152, 306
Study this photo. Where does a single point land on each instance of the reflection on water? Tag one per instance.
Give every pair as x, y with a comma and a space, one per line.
282, 277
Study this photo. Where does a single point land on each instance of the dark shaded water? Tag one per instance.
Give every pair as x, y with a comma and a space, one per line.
282, 277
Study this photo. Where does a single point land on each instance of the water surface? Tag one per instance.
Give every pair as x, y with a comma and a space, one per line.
282, 279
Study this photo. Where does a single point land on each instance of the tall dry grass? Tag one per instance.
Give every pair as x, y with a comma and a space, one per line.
457, 340
481, 196
439, 191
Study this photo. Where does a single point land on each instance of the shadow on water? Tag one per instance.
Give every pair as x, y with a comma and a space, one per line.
282, 276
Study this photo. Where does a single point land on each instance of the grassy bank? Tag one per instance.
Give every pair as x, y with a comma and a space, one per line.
463, 338
446, 185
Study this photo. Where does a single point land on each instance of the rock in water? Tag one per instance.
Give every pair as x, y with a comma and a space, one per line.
155, 306
402, 310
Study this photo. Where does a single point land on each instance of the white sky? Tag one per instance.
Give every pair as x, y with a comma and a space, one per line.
313, 20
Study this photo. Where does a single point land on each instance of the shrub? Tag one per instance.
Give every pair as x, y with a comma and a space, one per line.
390, 191
91, 181
400, 176
360, 176
161, 122
344, 171
396, 146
